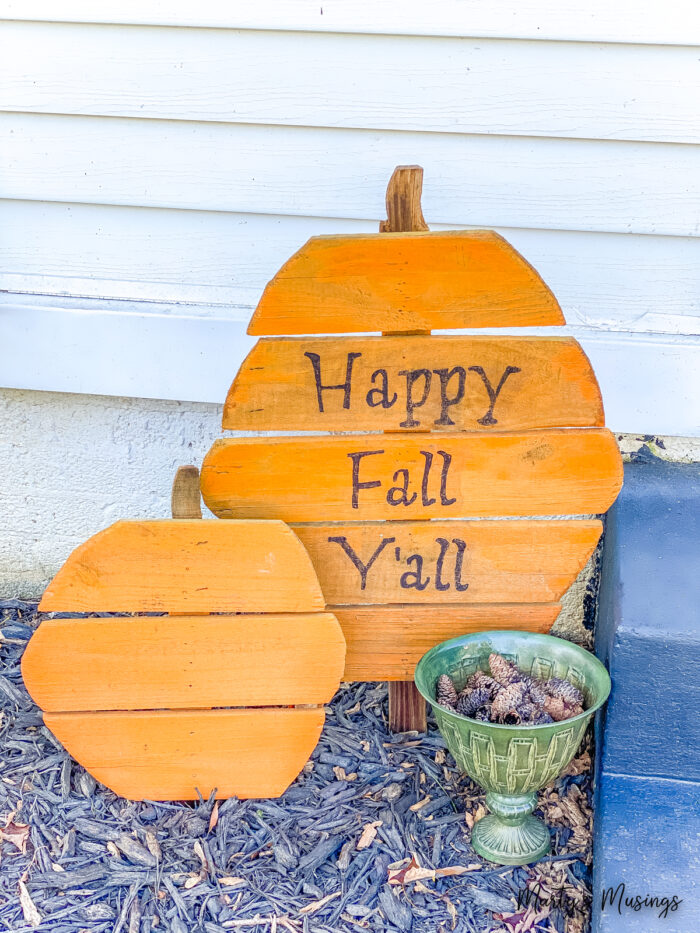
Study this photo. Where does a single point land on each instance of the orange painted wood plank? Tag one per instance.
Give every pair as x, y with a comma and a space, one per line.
187, 566
386, 643
414, 383
402, 282
452, 562
194, 662
369, 477
171, 754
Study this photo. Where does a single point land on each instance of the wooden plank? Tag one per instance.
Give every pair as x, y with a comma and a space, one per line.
386, 642
450, 562
402, 282
514, 181
310, 479
441, 384
190, 662
598, 21
458, 85
172, 754
187, 566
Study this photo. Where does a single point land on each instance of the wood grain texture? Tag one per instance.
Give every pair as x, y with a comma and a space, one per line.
403, 195
185, 498
184, 662
187, 566
512, 561
310, 479
407, 708
403, 282
172, 754
386, 642
277, 386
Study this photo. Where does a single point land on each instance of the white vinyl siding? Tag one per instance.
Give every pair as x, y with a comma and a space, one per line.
160, 161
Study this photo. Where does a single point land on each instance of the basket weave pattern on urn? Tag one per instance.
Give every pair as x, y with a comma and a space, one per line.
511, 765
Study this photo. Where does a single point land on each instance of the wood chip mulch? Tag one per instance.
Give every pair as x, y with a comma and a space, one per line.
374, 835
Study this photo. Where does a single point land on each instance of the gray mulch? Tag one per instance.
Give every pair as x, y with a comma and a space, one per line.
75, 857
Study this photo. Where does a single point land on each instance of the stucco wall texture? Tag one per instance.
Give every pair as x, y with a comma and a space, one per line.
73, 464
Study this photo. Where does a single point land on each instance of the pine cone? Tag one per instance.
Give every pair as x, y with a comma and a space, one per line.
483, 714
511, 696
469, 701
535, 690
556, 708
482, 679
527, 711
541, 718
507, 702
445, 692
557, 687
504, 671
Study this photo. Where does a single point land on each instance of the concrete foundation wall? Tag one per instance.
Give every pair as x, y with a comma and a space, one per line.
73, 464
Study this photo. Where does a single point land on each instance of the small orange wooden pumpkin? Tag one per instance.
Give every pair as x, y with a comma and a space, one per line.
160, 707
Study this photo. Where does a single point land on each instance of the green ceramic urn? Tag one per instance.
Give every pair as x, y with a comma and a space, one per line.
512, 762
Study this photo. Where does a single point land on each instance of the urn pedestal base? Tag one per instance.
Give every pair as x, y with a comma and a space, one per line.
511, 835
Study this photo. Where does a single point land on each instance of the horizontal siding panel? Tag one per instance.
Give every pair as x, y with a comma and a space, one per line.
603, 280
649, 384
491, 181
675, 21
576, 90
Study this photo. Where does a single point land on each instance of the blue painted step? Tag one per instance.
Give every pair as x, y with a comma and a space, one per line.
647, 821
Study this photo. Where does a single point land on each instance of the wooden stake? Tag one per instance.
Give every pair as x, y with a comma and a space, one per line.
407, 710
185, 499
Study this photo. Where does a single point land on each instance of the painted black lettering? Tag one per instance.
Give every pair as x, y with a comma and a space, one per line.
461, 548
362, 568
412, 579
447, 460
342, 386
398, 495
382, 393
446, 401
439, 583
356, 484
492, 393
426, 476
412, 376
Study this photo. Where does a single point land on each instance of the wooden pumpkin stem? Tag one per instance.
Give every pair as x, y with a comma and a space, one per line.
185, 499
403, 194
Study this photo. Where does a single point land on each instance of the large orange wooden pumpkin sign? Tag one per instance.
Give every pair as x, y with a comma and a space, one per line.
464, 428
